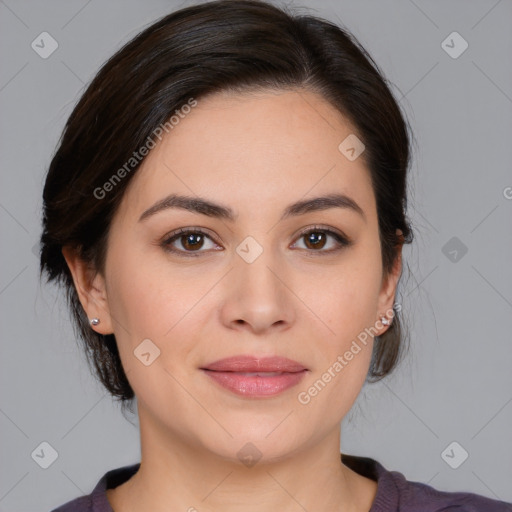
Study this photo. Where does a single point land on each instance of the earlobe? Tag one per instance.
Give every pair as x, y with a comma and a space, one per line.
91, 290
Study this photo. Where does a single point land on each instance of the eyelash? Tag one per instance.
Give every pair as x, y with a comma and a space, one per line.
166, 244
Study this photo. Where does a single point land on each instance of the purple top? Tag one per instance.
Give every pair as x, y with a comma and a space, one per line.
394, 492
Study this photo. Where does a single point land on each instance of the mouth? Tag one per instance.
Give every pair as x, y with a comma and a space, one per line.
254, 377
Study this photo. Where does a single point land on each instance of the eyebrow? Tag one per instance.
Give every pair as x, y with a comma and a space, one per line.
211, 209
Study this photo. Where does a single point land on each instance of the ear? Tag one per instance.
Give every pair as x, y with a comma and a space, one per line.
388, 290
91, 290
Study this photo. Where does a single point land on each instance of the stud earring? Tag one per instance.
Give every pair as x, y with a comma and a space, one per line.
94, 321
385, 321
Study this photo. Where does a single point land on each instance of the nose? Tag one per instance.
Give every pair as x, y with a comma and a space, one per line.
258, 298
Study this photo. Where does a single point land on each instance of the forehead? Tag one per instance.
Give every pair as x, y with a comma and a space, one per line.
254, 151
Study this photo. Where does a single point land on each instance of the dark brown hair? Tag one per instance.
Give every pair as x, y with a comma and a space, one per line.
226, 45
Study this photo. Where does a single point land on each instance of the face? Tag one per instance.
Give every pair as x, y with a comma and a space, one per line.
303, 285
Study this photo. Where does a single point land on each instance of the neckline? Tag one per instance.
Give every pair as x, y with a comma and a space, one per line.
386, 497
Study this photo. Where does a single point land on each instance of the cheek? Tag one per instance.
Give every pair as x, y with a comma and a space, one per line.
151, 299
338, 377
146, 304
145, 298
345, 300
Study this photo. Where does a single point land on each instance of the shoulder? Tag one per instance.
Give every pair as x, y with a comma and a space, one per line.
97, 501
82, 504
418, 496
396, 493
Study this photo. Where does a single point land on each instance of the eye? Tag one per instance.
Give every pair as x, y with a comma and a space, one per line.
190, 240
316, 239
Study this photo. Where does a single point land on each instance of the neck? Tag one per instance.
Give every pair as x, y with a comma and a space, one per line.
177, 475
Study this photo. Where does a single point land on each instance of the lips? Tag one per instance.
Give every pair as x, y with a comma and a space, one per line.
252, 364
250, 376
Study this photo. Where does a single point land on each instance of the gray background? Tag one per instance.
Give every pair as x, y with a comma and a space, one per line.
456, 383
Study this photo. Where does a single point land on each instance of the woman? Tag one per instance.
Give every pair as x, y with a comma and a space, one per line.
227, 211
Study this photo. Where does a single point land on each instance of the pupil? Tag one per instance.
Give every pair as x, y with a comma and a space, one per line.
315, 238
190, 240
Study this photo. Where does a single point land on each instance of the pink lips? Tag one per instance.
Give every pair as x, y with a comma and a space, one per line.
256, 377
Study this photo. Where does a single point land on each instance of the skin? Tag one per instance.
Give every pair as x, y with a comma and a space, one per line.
256, 153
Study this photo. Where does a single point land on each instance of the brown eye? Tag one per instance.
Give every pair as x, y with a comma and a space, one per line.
187, 242
192, 241
317, 238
